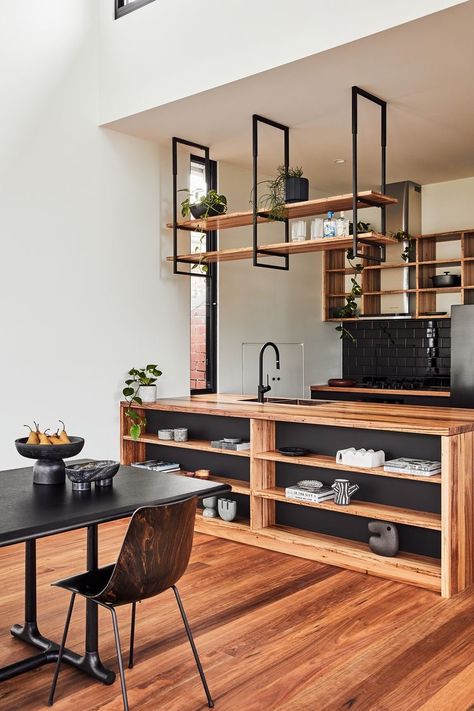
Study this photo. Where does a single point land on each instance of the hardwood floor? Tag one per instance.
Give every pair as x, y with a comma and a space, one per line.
274, 633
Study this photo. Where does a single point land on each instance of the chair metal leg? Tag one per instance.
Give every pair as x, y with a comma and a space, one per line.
132, 636
210, 702
61, 651
119, 658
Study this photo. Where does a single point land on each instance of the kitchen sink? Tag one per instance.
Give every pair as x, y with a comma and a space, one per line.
289, 401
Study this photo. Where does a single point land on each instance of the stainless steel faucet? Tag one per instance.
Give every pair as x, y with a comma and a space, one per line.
262, 389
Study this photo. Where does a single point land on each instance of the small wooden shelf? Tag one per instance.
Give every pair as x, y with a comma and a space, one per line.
218, 527
313, 245
238, 486
201, 445
425, 262
383, 512
325, 461
405, 567
308, 208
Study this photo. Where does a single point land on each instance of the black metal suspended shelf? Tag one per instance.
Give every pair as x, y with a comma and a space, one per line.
353, 201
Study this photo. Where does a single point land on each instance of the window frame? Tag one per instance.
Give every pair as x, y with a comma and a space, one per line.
121, 10
211, 296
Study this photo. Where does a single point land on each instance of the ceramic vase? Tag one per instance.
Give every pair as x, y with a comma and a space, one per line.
210, 507
147, 393
227, 509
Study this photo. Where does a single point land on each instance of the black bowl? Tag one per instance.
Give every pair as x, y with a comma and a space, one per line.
49, 466
82, 475
199, 210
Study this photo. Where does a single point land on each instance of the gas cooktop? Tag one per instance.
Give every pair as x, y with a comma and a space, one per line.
429, 382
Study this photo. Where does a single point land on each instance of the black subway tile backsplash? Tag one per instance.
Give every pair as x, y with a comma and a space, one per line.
395, 348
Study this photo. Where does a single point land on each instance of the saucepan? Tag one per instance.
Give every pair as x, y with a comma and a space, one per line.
446, 279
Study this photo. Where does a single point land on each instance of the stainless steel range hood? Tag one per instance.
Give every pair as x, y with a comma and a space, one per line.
405, 216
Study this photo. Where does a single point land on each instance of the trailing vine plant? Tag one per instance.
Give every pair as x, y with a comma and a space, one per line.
272, 202
349, 310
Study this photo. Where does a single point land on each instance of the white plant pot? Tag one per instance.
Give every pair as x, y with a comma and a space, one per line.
147, 393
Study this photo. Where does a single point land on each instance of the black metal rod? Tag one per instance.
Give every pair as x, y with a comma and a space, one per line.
119, 658
210, 702
61, 651
255, 120
132, 636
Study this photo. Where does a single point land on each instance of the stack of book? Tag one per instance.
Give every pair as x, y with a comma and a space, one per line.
317, 496
407, 465
234, 446
158, 465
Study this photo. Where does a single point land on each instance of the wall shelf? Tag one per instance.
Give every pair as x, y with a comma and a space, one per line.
324, 461
238, 486
308, 208
425, 263
408, 517
317, 245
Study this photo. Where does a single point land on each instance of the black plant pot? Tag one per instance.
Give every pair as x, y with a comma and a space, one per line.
199, 210
296, 189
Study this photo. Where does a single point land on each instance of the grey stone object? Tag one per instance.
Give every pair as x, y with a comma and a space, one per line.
227, 509
210, 507
100, 473
385, 539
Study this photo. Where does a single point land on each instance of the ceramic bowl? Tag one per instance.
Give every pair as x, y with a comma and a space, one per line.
83, 475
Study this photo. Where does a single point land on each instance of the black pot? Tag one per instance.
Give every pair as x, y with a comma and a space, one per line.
49, 467
296, 189
445, 280
199, 210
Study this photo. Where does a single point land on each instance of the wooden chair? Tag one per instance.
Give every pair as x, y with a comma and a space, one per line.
154, 555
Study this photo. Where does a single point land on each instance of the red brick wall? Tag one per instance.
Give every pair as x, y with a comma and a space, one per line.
198, 334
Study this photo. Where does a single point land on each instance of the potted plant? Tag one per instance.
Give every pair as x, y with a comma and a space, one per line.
288, 186
205, 205
143, 382
296, 187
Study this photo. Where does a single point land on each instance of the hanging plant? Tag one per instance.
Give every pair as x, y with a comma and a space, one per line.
201, 206
410, 241
278, 190
350, 308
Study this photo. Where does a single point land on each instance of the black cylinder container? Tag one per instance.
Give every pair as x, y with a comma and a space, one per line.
296, 189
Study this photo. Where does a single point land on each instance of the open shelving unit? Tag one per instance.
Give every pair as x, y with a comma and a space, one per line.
259, 525
424, 263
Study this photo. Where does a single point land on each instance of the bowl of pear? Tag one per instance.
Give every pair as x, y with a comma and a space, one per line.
49, 452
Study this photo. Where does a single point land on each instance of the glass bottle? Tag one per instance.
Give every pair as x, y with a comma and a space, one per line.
329, 225
342, 226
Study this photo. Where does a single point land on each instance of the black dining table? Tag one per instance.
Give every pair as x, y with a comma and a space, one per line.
30, 511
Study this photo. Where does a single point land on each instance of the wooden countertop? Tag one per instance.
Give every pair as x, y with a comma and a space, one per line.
382, 391
379, 416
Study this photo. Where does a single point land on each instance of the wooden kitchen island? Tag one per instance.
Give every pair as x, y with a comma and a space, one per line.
434, 515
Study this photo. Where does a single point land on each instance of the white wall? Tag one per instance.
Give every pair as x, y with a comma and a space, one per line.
83, 292
448, 206
168, 50
256, 305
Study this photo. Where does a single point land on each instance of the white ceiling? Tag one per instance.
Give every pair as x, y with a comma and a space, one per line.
424, 69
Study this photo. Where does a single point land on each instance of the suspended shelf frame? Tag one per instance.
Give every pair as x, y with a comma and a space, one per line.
256, 119
356, 240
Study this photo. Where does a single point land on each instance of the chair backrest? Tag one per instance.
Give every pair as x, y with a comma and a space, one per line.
154, 554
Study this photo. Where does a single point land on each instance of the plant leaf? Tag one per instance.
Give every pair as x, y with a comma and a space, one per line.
135, 431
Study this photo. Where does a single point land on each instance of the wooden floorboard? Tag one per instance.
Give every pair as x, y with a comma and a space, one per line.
274, 632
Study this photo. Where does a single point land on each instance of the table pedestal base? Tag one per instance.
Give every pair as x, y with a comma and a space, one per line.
90, 662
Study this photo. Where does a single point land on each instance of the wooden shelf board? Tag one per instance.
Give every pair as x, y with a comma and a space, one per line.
456, 260
218, 527
325, 461
375, 293
367, 509
238, 487
447, 289
317, 245
198, 444
386, 265
308, 208
405, 567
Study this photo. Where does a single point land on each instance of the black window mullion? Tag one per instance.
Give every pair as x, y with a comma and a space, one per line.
121, 9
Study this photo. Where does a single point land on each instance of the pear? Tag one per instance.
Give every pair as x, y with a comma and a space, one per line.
63, 434
43, 438
54, 439
33, 436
